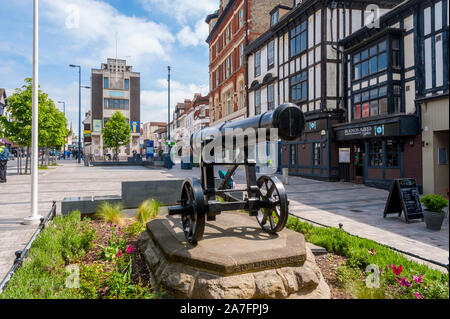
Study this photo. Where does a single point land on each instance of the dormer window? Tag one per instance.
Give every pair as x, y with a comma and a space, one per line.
274, 18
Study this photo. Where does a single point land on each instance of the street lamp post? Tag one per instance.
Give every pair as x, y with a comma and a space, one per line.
169, 161
79, 109
34, 218
84, 87
64, 108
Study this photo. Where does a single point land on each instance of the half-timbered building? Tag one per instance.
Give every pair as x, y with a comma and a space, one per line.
299, 60
396, 98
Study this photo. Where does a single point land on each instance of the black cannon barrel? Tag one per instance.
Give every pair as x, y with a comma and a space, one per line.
288, 118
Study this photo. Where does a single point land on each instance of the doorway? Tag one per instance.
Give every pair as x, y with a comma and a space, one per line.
357, 162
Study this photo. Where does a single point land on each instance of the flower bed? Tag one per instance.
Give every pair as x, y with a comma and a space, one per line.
88, 259
375, 271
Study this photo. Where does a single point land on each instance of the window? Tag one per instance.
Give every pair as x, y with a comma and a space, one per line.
370, 102
241, 17
229, 102
298, 39
106, 83
274, 18
257, 63
227, 35
299, 87
397, 98
270, 54
228, 67
241, 54
392, 153
370, 61
316, 155
396, 54
257, 102
242, 100
270, 97
116, 104
127, 84
376, 153
293, 153
217, 78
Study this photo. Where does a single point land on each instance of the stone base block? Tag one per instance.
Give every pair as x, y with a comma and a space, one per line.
235, 260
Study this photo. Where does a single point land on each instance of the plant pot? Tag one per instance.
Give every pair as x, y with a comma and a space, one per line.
433, 220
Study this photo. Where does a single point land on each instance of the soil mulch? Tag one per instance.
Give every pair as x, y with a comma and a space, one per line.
328, 263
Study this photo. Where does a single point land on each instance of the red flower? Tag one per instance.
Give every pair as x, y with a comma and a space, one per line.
418, 296
119, 253
418, 279
129, 249
404, 282
372, 252
397, 270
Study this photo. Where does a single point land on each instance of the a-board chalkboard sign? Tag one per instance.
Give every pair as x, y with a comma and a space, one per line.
404, 196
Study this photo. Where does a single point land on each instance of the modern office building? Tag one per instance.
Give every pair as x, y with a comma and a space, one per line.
114, 87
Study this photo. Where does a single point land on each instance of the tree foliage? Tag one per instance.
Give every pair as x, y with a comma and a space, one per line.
116, 132
52, 129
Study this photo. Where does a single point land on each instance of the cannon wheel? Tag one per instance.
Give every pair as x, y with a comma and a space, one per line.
272, 218
194, 219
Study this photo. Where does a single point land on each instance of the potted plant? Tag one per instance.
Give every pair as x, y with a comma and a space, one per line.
434, 216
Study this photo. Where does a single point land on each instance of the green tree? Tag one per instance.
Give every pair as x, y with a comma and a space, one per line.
116, 132
18, 127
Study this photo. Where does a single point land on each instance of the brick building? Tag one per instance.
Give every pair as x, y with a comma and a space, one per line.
231, 28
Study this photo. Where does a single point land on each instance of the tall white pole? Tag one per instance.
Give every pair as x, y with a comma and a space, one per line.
34, 218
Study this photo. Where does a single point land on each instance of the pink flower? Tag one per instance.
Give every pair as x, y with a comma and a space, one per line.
418, 279
404, 282
372, 252
418, 296
119, 253
129, 249
397, 270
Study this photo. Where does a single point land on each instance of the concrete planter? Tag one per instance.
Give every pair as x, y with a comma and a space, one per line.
433, 220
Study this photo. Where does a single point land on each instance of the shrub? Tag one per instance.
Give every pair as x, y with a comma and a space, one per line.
110, 213
434, 203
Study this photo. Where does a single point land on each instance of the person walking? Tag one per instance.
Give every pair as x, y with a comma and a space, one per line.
4, 154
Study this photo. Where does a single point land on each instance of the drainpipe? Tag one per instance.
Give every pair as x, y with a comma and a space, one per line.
246, 58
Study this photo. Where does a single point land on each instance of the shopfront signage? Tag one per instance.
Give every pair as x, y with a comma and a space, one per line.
404, 197
344, 155
317, 125
379, 130
97, 125
134, 126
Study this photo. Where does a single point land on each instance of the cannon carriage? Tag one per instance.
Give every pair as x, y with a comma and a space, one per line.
265, 197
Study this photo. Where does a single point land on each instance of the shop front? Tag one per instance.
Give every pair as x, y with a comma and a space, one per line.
314, 155
380, 150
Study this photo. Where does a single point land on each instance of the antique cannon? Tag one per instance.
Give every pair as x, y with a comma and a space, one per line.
266, 197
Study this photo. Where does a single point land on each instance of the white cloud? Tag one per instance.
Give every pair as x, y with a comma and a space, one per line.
154, 102
94, 25
182, 10
195, 37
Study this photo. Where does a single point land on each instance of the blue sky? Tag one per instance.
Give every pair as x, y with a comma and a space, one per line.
152, 34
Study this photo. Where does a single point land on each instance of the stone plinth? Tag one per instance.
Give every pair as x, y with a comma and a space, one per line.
235, 259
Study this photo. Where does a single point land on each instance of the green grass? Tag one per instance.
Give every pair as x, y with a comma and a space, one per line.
147, 210
43, 274
110, 213
356, 250
42, 167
